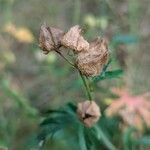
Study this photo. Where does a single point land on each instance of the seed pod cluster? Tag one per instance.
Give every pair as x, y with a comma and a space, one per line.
91, 57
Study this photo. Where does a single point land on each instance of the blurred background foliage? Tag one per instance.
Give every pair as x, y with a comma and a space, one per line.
31, 82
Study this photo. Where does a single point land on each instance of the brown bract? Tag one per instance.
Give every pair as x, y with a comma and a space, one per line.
88, 112
49, 38
73, 40
91, 61
90, 57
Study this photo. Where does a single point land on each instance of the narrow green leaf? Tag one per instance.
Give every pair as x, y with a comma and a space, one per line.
72, 107
108, 75
107, 65
127, 139
53, 112
92, 138
82, 141
56, 120
104, 139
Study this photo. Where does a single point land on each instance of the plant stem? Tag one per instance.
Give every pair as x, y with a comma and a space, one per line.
86, 84
65, 58
85, 81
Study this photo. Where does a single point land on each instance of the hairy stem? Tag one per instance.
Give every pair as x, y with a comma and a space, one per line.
87, 87
65, 58
85, 80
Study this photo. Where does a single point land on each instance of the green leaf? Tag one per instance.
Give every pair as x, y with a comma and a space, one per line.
107, 65
57, 120
51, 112
127, 138
92, 138
108, 75
82, 140
72, 107
104, 139
66, 120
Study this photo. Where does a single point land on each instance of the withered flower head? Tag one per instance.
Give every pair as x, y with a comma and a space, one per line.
49, 38
88, 112
91, 61
73, 40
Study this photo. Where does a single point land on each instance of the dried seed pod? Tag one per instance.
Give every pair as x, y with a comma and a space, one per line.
88, 113
91, 62
73, 40
49, 38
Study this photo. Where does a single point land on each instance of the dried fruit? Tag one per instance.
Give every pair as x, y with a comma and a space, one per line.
90, 57
50, 38
91, 61
88, 112
73, 40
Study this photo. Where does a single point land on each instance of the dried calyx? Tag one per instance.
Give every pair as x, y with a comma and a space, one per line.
91, 57
50, 38
88, 112
91, 61
73, 40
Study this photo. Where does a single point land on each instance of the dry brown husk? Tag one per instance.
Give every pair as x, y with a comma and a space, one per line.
73, 40
90, 57
90, 62
50, 38
88, 112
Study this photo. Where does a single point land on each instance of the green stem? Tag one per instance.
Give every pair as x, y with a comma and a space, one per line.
86, 84
85, 81
65, 59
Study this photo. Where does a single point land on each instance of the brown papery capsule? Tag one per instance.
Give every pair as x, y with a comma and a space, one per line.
88, 112
49, 38
73, 40
91, 62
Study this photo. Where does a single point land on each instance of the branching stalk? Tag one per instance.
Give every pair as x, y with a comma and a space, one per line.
85, 81
65, 58
87, 87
